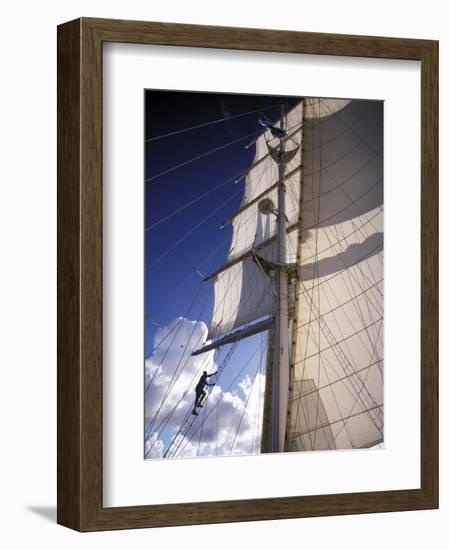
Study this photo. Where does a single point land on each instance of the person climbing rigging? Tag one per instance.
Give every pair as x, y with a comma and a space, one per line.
200, 392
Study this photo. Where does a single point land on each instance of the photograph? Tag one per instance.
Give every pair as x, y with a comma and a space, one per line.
263, 274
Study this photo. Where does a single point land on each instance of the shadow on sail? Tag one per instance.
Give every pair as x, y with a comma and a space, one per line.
352, 255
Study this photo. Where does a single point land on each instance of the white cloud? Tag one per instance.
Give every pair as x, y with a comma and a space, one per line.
213, 432
224, 415
154, 446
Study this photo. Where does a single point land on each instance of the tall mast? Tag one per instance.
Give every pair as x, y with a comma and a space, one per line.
281, 340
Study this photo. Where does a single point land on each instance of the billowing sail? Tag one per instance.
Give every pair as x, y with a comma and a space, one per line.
243, 292
336, 397
334, 207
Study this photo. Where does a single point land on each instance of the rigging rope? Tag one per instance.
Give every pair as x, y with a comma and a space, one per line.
259, 366
216, 405
175, 375
316, 274
191, 305
380, 414
200, 287
256, 424
201, 431
177, 330
179, 324
189, 421
179, 431
198, 157
185, 279
184, 394
343, 360
204, 124
193, 201
184, 237
185, 432
164, 423
197, 226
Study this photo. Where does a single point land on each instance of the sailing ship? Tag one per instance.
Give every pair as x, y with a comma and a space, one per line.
305, 267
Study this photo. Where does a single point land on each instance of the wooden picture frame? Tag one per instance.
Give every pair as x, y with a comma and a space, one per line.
80, 504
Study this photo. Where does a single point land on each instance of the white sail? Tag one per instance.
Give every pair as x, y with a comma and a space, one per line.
336, 398
242, 292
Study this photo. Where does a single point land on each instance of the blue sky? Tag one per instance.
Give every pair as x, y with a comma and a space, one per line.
167, 112
175, 249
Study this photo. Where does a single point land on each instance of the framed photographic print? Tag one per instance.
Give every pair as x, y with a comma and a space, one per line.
247, 289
